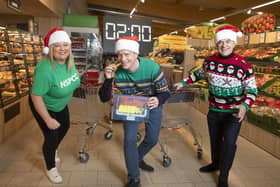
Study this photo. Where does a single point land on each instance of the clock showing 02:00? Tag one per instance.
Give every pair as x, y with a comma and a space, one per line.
115, 27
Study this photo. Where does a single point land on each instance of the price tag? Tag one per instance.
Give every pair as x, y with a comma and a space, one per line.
278, 36
246, 39
262, 37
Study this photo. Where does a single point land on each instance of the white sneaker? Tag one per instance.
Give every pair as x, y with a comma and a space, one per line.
54, 176
57, 159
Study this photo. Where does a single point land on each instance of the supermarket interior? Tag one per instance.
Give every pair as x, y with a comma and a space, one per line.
179, 36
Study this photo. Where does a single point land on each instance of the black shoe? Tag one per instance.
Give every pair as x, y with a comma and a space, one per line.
145, 166
222, 183
209, 168
133, 183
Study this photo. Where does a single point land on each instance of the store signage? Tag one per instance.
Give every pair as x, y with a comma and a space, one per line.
246, 39
262, 37
14, 4
278, 36
115, 27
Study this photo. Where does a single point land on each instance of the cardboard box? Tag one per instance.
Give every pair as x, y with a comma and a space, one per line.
168, 72
240, 41
254, 38
270, 37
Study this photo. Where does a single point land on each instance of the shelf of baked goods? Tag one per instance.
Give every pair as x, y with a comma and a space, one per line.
19, 54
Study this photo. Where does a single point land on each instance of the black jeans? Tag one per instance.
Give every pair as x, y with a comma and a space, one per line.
224, 129
52, 138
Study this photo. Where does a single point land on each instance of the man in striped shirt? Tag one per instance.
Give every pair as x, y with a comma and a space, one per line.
137, 76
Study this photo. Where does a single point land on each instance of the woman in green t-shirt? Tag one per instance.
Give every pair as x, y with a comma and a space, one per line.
55, 79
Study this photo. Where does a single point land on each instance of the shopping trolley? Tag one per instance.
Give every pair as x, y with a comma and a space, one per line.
175, 123
87, 95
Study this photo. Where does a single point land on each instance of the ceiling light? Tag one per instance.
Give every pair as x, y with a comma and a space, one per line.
218, 19
265, 4
132, 11
259, 13
142, 1
249, 11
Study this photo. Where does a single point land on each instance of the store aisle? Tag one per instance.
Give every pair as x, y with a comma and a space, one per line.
21, 161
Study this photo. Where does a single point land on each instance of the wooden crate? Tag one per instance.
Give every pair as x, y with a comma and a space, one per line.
177, 75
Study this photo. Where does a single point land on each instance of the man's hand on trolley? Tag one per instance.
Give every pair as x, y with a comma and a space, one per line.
153, 102
178, 86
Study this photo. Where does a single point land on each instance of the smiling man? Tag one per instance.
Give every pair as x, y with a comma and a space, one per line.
232, 91
137, 76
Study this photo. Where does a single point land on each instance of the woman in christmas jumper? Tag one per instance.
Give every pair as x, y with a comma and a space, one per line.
137, 76
55, 79
232, 91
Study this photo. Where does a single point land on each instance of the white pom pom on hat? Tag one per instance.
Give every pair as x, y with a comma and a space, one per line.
55, 35
127, 43
227, 32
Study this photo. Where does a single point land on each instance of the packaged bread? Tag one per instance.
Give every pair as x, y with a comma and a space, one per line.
18, 61
8, 94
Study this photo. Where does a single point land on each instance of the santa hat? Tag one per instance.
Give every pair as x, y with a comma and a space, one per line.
227, 32
127, 43
55, 35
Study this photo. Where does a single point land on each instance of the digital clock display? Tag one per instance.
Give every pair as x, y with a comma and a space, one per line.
115, 27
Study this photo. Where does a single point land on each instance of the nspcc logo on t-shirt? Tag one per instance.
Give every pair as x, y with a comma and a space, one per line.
68, 81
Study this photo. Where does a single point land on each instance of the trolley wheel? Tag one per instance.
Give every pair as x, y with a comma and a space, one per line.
199, 153
108, 135
138, 136
166, 162
83, 157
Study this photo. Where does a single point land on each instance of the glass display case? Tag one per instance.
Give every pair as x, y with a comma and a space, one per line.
19, 54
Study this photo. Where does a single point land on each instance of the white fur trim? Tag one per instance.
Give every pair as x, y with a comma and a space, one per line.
59, 36
46, 50
124, 44
226, 34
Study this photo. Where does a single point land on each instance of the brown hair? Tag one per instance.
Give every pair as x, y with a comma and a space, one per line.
68, 60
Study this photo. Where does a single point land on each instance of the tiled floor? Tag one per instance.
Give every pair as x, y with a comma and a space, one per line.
21, 161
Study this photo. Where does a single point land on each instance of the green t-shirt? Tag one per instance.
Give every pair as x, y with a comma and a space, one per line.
56, 86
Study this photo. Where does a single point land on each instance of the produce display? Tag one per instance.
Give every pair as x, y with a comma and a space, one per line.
259, 23
202, 31
173, 42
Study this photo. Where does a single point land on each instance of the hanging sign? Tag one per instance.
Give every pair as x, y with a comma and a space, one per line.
115, 27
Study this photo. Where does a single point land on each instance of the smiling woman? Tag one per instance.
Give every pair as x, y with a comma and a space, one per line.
55, 79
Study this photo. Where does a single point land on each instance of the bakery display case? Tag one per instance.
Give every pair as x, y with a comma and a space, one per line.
8, 91
19, 54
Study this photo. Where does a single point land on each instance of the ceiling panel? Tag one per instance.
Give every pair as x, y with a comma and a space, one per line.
181, 13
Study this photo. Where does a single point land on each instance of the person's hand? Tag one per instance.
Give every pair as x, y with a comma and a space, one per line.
178, 85
241, 112
153, 102
110, 71
52, 123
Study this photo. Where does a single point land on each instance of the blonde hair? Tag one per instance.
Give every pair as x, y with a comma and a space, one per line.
68, 60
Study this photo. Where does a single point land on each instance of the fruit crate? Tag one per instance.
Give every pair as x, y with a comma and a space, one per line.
265, 122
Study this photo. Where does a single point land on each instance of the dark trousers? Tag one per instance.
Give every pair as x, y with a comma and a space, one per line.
223, 130
134, 154
52, 138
